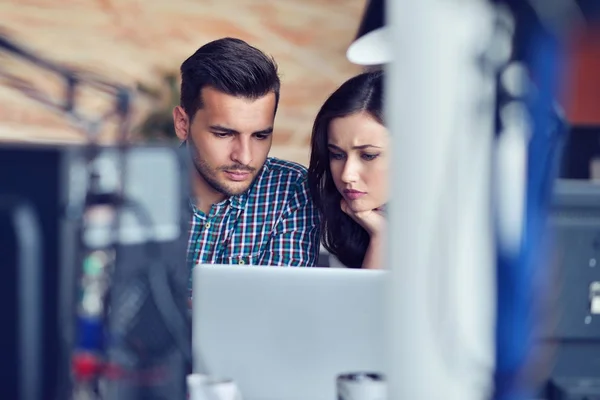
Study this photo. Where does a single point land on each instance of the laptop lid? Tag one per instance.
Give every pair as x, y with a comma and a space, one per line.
286, 333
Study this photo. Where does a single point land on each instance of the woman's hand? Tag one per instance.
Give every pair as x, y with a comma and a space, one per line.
373, 221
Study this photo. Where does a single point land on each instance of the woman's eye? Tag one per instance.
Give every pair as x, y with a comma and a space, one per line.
369, 157
336, 156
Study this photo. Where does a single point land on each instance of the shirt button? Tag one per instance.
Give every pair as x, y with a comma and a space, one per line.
207, 225
241, 261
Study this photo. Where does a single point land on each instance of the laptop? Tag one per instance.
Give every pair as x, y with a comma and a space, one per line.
286, 333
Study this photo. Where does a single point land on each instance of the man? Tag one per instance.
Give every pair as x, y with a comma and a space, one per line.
247, 208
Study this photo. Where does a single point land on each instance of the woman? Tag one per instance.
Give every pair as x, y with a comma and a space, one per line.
348, 172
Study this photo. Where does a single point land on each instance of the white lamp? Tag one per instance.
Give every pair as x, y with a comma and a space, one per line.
371, 45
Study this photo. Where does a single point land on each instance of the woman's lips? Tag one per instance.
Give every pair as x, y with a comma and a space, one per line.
353, 194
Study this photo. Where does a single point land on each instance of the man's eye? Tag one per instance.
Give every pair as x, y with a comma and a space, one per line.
222, 134
262, 136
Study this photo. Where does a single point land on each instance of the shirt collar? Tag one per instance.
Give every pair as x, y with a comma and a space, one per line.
239, 201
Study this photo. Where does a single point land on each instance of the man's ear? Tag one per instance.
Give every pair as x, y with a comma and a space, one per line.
181, 123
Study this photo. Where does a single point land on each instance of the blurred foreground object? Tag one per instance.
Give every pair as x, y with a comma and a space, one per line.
478, 131
111, 306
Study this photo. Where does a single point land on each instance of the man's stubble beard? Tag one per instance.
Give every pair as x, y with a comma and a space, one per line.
209, 175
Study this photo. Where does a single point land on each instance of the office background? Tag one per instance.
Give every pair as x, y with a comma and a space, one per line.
142, 43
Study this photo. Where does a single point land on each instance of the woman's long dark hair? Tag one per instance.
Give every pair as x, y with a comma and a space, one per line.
340, 235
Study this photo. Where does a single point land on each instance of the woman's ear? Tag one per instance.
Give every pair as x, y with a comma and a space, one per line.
181, 123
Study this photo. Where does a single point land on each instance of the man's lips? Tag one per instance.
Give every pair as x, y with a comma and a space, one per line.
237, 175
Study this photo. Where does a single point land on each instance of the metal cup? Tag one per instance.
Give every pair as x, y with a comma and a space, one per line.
361, 386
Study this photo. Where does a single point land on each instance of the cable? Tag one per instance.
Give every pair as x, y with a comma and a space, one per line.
29, 243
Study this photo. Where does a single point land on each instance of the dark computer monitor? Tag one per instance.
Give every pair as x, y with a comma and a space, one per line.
39, 184
572, 337
581, 148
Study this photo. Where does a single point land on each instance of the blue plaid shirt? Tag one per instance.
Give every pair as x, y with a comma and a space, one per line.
273, 223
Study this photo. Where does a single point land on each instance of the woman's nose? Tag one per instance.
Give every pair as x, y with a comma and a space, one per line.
349, 172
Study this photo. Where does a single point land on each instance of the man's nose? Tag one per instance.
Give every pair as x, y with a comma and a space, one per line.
242, 152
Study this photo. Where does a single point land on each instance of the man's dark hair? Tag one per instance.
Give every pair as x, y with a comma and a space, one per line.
230, 66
